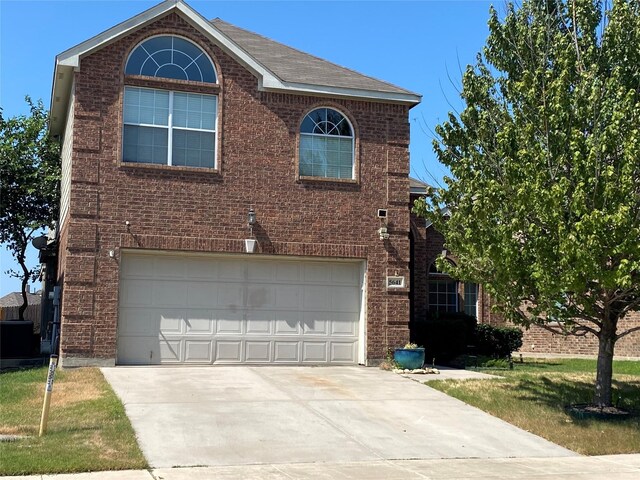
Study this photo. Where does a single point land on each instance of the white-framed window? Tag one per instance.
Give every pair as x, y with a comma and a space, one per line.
326, 145
169, 128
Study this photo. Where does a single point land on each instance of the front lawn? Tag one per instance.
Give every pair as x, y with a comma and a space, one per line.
534, 394
87, 430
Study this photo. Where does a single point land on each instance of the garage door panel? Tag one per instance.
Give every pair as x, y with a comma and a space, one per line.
260, 296
139, 350
230, 296
170, 350
169, 267
136, 293
345, 299
198, 351
171, 321
137, 321
257, 351
342, 324
316, 323
199, 322
343, 352
288, 272
201, 268
314, 352
287, 323
170, 293
259, 323
231, 270
345, 274
260, 272
287, 297
317, 298
229, 323
317, 273
209, 309
286, 352
201, 295
229, 351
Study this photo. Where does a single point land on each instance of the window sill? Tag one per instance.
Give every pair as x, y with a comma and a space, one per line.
168, 168
349, 181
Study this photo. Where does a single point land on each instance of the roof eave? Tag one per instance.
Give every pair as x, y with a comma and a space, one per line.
274, 84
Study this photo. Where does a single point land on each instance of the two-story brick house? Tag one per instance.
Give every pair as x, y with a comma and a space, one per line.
185, 140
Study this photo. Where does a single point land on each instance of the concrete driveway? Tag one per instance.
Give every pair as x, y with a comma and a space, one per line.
210, 416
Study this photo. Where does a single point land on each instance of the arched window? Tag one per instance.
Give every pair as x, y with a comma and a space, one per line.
326, 145
165, 127
171, 57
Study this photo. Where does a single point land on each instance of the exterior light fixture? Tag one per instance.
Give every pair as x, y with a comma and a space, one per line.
250, 243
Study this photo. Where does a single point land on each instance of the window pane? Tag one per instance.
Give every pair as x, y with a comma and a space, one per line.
192, 110
193, 149
144, 144
143, 105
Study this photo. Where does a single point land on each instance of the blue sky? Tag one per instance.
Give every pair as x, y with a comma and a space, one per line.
419, 45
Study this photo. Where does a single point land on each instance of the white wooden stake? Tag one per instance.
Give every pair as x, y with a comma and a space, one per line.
48, 389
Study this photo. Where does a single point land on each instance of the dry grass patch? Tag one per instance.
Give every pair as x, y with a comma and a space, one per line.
87, 431
535, 401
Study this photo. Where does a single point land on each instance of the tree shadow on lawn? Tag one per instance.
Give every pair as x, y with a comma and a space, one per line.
560, 392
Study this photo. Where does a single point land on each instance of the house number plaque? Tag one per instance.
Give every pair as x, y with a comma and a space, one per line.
395, 282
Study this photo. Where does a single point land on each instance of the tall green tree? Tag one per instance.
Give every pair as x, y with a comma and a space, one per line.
29, 186
544, 192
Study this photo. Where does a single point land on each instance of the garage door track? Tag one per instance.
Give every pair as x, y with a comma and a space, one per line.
237, 415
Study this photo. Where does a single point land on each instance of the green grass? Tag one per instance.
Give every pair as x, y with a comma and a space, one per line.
533, 396
87, 429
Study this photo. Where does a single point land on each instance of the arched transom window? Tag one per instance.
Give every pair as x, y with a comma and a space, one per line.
326, 145
171, 57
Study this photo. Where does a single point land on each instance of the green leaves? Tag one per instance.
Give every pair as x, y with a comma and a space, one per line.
29, 182
544, 198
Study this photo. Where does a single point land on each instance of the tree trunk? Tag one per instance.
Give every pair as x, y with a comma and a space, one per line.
606, 344
25, 282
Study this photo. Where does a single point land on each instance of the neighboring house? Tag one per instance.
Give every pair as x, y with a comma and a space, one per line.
433, 291
181, 139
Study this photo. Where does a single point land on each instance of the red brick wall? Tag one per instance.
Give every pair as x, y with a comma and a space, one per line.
194, 210
539, 341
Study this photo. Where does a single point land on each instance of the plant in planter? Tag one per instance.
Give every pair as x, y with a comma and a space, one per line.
409, 357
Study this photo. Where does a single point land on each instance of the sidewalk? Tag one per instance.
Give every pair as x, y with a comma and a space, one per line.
611, 467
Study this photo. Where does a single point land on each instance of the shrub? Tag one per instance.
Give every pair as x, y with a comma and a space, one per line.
444, 335
497, 342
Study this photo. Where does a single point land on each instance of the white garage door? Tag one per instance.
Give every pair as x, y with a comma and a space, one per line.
204, 309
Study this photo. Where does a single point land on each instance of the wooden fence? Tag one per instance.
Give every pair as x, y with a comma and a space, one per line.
31, 313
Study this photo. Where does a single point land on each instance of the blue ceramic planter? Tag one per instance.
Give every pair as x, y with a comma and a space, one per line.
410, 358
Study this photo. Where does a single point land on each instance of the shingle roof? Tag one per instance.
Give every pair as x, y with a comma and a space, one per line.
293, 66
14, 299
